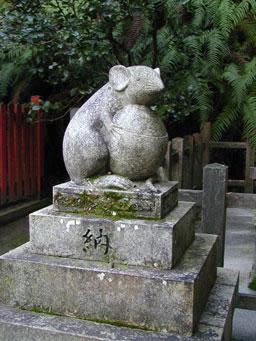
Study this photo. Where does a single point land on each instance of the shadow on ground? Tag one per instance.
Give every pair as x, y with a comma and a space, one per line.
14, 234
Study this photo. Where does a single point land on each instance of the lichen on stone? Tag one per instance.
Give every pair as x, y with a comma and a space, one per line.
106, 204
252, 284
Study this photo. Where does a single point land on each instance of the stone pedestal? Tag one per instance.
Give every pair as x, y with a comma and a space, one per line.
158, 244
152, 273
152, 299
139, 202
215, 323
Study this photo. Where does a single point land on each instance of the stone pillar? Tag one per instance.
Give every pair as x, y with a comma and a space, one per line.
253, 177
214, 204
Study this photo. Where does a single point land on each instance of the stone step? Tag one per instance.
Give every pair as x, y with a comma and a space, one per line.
160, 244
215, 323
162, 300
137, 202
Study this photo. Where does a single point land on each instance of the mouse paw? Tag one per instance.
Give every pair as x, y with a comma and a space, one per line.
150, 185
113, 182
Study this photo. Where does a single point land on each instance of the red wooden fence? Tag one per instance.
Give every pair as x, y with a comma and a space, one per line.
21, 154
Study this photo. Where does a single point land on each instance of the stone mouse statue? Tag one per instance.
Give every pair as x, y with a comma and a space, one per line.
87, 137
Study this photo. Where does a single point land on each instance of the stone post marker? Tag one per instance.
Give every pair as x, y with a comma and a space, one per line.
253, 177
214, 204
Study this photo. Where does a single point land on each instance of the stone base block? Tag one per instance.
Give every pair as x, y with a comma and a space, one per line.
160, 244
159, 300
139, 202
215, 323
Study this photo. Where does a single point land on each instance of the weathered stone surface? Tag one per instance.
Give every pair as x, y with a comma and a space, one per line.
160, 244
29, 326
92, 140
221, 303
215, 178
136, 130
154, 299
139, 202
191, 195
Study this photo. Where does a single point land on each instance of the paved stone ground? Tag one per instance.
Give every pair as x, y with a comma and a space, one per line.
13, 234
240, 240
239, 252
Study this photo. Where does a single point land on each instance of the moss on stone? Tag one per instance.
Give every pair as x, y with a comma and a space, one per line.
252, 284
7, 280
106, 204
111, 205
40, 310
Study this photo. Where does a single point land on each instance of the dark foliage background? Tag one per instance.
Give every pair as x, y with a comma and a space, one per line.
63, 49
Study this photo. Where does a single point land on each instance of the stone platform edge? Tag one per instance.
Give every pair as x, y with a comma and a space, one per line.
100, 292
215, 323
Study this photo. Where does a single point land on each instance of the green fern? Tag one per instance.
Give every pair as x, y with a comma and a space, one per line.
225, 119
7, 74
249, 119
242, 83
14, 69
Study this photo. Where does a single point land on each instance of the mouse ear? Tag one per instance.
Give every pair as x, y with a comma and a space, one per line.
157, 70
119, 77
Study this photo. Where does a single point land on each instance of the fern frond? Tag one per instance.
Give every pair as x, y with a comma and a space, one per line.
232, 14
7, 73
225, 15
133, 32
240, 12
199, 13
193, 45
231, 74
253, 5
224, 120
171, 6
249, 28
169, 60
164, 39
241, 80
217, 47
203, 97
249, 119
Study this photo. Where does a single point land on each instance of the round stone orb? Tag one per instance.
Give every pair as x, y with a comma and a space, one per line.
138, 143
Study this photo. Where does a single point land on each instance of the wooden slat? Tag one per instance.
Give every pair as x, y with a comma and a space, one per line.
21, 155
176, 167
32, 176
24, 155
10, 154
206, 135
17, 151
187, 171
3, 156
197, 162
253, 173
249, 162
38, 151
234, 182
27, 160
37, 131
167, 161
228, 145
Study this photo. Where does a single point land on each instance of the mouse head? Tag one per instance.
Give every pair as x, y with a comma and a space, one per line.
135, 84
